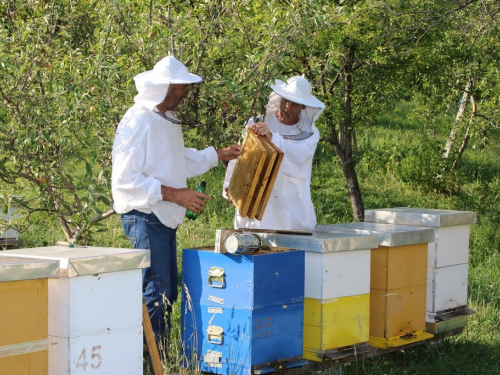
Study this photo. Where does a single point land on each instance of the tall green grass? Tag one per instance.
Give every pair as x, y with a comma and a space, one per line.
397, 166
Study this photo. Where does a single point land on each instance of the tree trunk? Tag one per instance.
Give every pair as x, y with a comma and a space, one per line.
358, 207
467, 134
461, 110
342, 140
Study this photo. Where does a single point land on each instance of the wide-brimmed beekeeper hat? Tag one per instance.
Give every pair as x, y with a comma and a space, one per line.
297, 89
152, 85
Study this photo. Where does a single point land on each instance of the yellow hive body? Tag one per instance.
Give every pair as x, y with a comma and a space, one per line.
335, 323
398, 293
24, 327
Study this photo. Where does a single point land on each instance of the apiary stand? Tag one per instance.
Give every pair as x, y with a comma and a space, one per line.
94, 309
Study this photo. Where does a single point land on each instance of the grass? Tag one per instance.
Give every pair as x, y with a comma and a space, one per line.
396, 157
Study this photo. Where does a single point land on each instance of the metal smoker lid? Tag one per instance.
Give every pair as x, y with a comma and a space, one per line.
232, 244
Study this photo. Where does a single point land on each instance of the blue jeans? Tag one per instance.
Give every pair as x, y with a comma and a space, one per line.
159, 281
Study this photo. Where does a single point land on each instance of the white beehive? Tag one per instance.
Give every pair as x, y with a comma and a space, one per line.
339, 274
336, 291
95, 309
447, 267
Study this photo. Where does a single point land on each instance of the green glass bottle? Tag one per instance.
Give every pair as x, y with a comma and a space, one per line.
201, 189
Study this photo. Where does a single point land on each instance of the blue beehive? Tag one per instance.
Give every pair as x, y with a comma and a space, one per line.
241, 311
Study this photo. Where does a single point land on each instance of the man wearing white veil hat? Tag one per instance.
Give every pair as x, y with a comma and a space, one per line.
150, 168
289, 123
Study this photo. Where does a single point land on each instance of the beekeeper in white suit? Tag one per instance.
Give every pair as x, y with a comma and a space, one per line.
289, 121
150, 168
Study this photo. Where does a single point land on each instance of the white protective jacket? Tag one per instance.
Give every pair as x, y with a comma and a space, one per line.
290, 206
148, 151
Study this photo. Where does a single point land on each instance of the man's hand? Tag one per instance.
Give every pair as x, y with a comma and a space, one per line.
228, 153
190, 199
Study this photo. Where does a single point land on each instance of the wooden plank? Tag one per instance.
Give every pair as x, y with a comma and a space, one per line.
270, 182
151, 341
246, 172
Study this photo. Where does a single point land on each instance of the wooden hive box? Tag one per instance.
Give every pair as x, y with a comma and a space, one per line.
447, 260
241, 312
24, 299
254, 175
88, 331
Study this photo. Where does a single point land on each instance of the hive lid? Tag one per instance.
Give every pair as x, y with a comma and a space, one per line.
13, 268
388, 234
425, 217
320, 242
87, 260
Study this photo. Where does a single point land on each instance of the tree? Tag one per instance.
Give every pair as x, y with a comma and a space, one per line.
68, 70
60, 103
455, 67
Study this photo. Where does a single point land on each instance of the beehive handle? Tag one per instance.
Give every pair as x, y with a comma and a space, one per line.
216, 278
215, 335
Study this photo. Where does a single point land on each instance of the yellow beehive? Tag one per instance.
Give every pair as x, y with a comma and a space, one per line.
398, 281
398, 286
85, 320
447, 261
24, 315
335, 323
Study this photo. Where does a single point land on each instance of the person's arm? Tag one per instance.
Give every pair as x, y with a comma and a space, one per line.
197, 163
201, 161
185, 197
133, 187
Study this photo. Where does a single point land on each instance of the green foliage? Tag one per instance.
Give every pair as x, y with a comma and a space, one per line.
68, 69
423, 168
62, 103
67, 73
